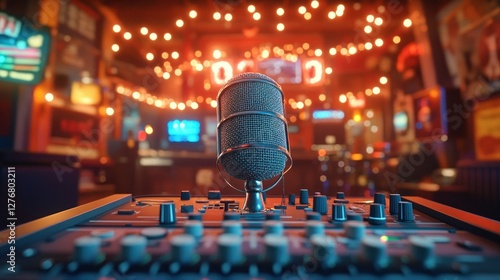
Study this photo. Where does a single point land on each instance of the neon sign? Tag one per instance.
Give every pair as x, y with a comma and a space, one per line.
23, 50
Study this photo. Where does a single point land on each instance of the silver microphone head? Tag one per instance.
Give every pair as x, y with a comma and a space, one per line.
252, 131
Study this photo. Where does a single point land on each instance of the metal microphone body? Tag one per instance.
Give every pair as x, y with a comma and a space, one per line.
252, 134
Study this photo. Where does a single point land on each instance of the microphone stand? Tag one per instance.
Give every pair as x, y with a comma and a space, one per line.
254, 202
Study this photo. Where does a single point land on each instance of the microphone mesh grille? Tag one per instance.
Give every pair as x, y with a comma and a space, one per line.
244, 93
251, 95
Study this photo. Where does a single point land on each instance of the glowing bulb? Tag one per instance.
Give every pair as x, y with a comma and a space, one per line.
217, 16
228, 17
179, 23
153, 36
378, 21
383, 80
150, 56
127, 35
280, 11
368, 29
396, 39
376, 90
331, 15
256, 16
280, 27
167, 36
117, 28
379, 42
251, 8
193, 14
110, 111
115, 47
407, 22
370, 18
217, 54
302, 10
368, 46
49, 97
333, 51
175, 55
314, 4
343, 98
144, 31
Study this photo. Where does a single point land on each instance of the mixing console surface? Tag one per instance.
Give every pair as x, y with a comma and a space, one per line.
188, 237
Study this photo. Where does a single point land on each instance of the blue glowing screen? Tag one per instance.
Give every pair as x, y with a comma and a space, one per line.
183, 131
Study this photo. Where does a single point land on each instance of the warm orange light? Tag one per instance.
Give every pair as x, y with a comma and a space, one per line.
396, 39
383, 80
49, 97
193, 14
117, 28
280, 11
127, 35
153, 36
314, 4
144, 31
217, 16
179, 23
302, 10
256, 16
251, 8
150, 56
368, 29
110, 111
228, 17
370, 18
280, 27
331, 15
115, 47
407, 22
379, 42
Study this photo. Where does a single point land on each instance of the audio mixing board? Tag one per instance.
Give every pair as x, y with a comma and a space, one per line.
298, 237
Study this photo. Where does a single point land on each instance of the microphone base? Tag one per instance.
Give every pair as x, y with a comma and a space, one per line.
254, 202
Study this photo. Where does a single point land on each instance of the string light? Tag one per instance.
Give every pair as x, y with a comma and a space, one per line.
289, 53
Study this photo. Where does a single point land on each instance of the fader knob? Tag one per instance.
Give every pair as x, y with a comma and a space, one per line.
183, 248
185, 195
314, 227
304, 196
339, 213
422, 251
133, 248
313, 216
394, 199
194, 228
229, 248
154, 232
379, 198
374, 250
340, 195
231, 216
232, 227
405, 212
323, 250
167, 213
377, 214
291, 199
320, 204
276, 249
87, 249
354, 230
273, 227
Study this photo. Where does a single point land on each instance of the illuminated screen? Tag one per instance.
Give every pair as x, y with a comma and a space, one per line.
401, 122
328, 115
23, 50
183, 131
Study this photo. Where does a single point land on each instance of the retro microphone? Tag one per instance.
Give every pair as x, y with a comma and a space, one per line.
252, 135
